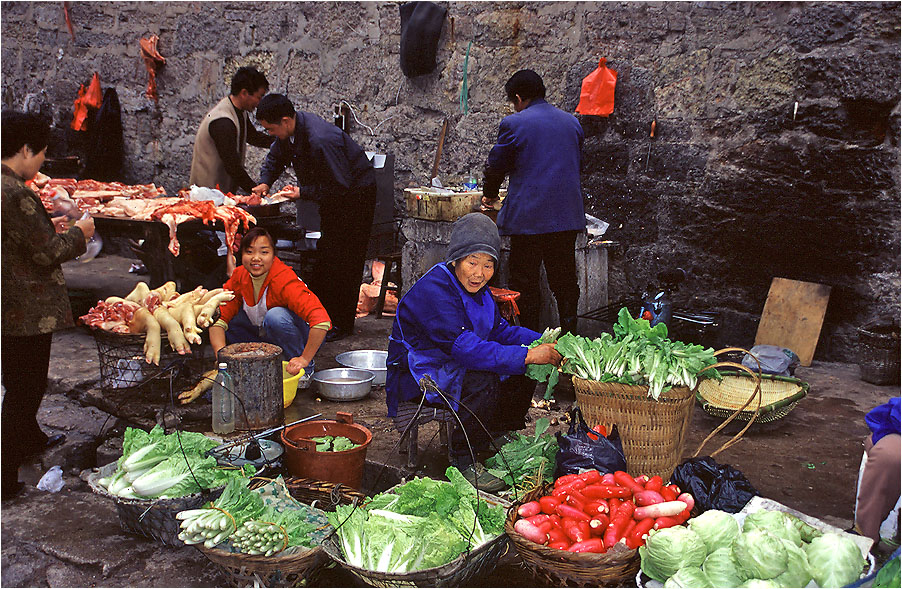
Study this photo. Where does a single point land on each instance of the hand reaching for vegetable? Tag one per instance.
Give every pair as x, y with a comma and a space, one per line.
297, 364
544, 354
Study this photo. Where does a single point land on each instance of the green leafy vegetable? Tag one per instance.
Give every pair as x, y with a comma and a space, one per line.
776, 522
716, 528
834, 560
760, 554
688, 577
527, 461
545, 372
721, 569
668, 550
797, 573
889, 575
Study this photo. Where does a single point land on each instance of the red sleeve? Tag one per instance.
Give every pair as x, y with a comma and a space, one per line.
293, 293
229, 309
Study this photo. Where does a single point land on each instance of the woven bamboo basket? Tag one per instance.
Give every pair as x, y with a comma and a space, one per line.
878, 354
289, 570
779, 396
152, 518
653, 432
563, 568
470, 565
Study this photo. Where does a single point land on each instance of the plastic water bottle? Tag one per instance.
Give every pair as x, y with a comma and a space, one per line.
223, 402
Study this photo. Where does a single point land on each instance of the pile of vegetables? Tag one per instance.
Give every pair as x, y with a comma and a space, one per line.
591, 512
770, 549
150, 312
636, 354
334, 444
422, 524
240, 516
527, 461
157, 465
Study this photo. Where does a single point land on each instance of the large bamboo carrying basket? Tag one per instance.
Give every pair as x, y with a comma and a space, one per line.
653, 432
614, 568
779, 396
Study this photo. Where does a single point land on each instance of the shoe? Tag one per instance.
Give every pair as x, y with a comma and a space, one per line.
335, 334
483, 480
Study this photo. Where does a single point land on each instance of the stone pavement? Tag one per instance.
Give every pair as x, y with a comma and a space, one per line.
808, 460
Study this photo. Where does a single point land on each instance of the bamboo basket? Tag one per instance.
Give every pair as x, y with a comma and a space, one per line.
563, 568
289, 570
465, 567
653, 432
779, 396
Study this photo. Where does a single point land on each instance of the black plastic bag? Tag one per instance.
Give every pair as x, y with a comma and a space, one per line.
713, 485
580, 452
421, 27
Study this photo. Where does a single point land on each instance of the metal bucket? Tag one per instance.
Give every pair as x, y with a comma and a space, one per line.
346, 467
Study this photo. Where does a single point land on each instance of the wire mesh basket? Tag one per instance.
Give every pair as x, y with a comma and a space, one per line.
469, 565
122, 365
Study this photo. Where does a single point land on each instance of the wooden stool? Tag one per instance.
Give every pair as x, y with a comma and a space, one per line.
408, 421
391, 275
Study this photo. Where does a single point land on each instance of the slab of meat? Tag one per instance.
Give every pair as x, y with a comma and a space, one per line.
232, 218
110, 317
152, 61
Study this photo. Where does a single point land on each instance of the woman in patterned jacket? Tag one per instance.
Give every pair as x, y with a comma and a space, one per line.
35, 302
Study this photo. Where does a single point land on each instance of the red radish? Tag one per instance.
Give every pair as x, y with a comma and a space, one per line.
629, 529
556, 534
562, 545
613, 505
574, 532
618, 525
595, 507
688, 499
562, 491
625, 480
577, 514
674, 488
606, 491
538, 518
590, 545
584, 528
668, 508
607, 478
556, 519
635, 538
668, 494
590, 476
529, 509
648, 498
545, 526
666, 522
575, 494
530, 532
548, 503
655, 483
599, 524
564, 479
684, 515
641, 479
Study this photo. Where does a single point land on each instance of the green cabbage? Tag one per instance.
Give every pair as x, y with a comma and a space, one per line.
834, 560
668, 550
775, 522
688, 577
807, 531
760, 554
760, 584
797, 573
716, 528
722, 570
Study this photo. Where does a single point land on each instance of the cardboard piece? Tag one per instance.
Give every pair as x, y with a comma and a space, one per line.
792, 317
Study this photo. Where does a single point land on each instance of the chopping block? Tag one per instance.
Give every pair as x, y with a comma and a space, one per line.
256, 369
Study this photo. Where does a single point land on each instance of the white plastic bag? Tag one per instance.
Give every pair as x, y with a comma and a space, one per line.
52, 480
202, 193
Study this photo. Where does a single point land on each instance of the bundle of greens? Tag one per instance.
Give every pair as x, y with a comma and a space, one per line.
333, 443
772, 549
240, 516
636, 354
545, 372
154, 464
527, 461
422, 524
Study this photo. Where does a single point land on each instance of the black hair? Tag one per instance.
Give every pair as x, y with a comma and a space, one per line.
23, 128
527, 84
249, 238
273, 107
248, 78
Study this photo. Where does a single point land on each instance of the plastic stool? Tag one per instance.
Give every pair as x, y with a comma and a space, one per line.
391, 275
408, 421
507, 303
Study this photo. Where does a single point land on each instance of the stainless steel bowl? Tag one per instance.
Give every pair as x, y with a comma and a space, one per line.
343, 384
372, 360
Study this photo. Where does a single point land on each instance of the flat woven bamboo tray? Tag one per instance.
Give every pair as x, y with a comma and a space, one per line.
288, 570
470, 565
779, 396
653, 432
152, 518
563, 568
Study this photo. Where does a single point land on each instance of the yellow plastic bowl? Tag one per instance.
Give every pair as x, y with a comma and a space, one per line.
289, 384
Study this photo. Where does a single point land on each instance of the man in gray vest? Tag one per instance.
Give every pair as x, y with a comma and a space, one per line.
225, 131
219, 151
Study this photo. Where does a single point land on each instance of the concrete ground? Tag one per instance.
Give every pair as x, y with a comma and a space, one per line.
809, 460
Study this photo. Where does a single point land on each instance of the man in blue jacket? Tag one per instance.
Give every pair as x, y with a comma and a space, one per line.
540, 148
334, 171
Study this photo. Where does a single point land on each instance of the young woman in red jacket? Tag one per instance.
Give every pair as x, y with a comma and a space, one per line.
271, 305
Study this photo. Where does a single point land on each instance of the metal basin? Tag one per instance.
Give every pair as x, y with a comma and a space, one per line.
372, 360
343, 384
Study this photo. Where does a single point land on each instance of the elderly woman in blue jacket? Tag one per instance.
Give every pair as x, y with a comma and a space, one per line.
448, 326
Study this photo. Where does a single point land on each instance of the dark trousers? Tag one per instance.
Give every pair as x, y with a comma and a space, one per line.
500, 406
556, 251
26, 360
341, 254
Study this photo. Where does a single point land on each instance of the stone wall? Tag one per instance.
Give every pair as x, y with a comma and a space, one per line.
778, 124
